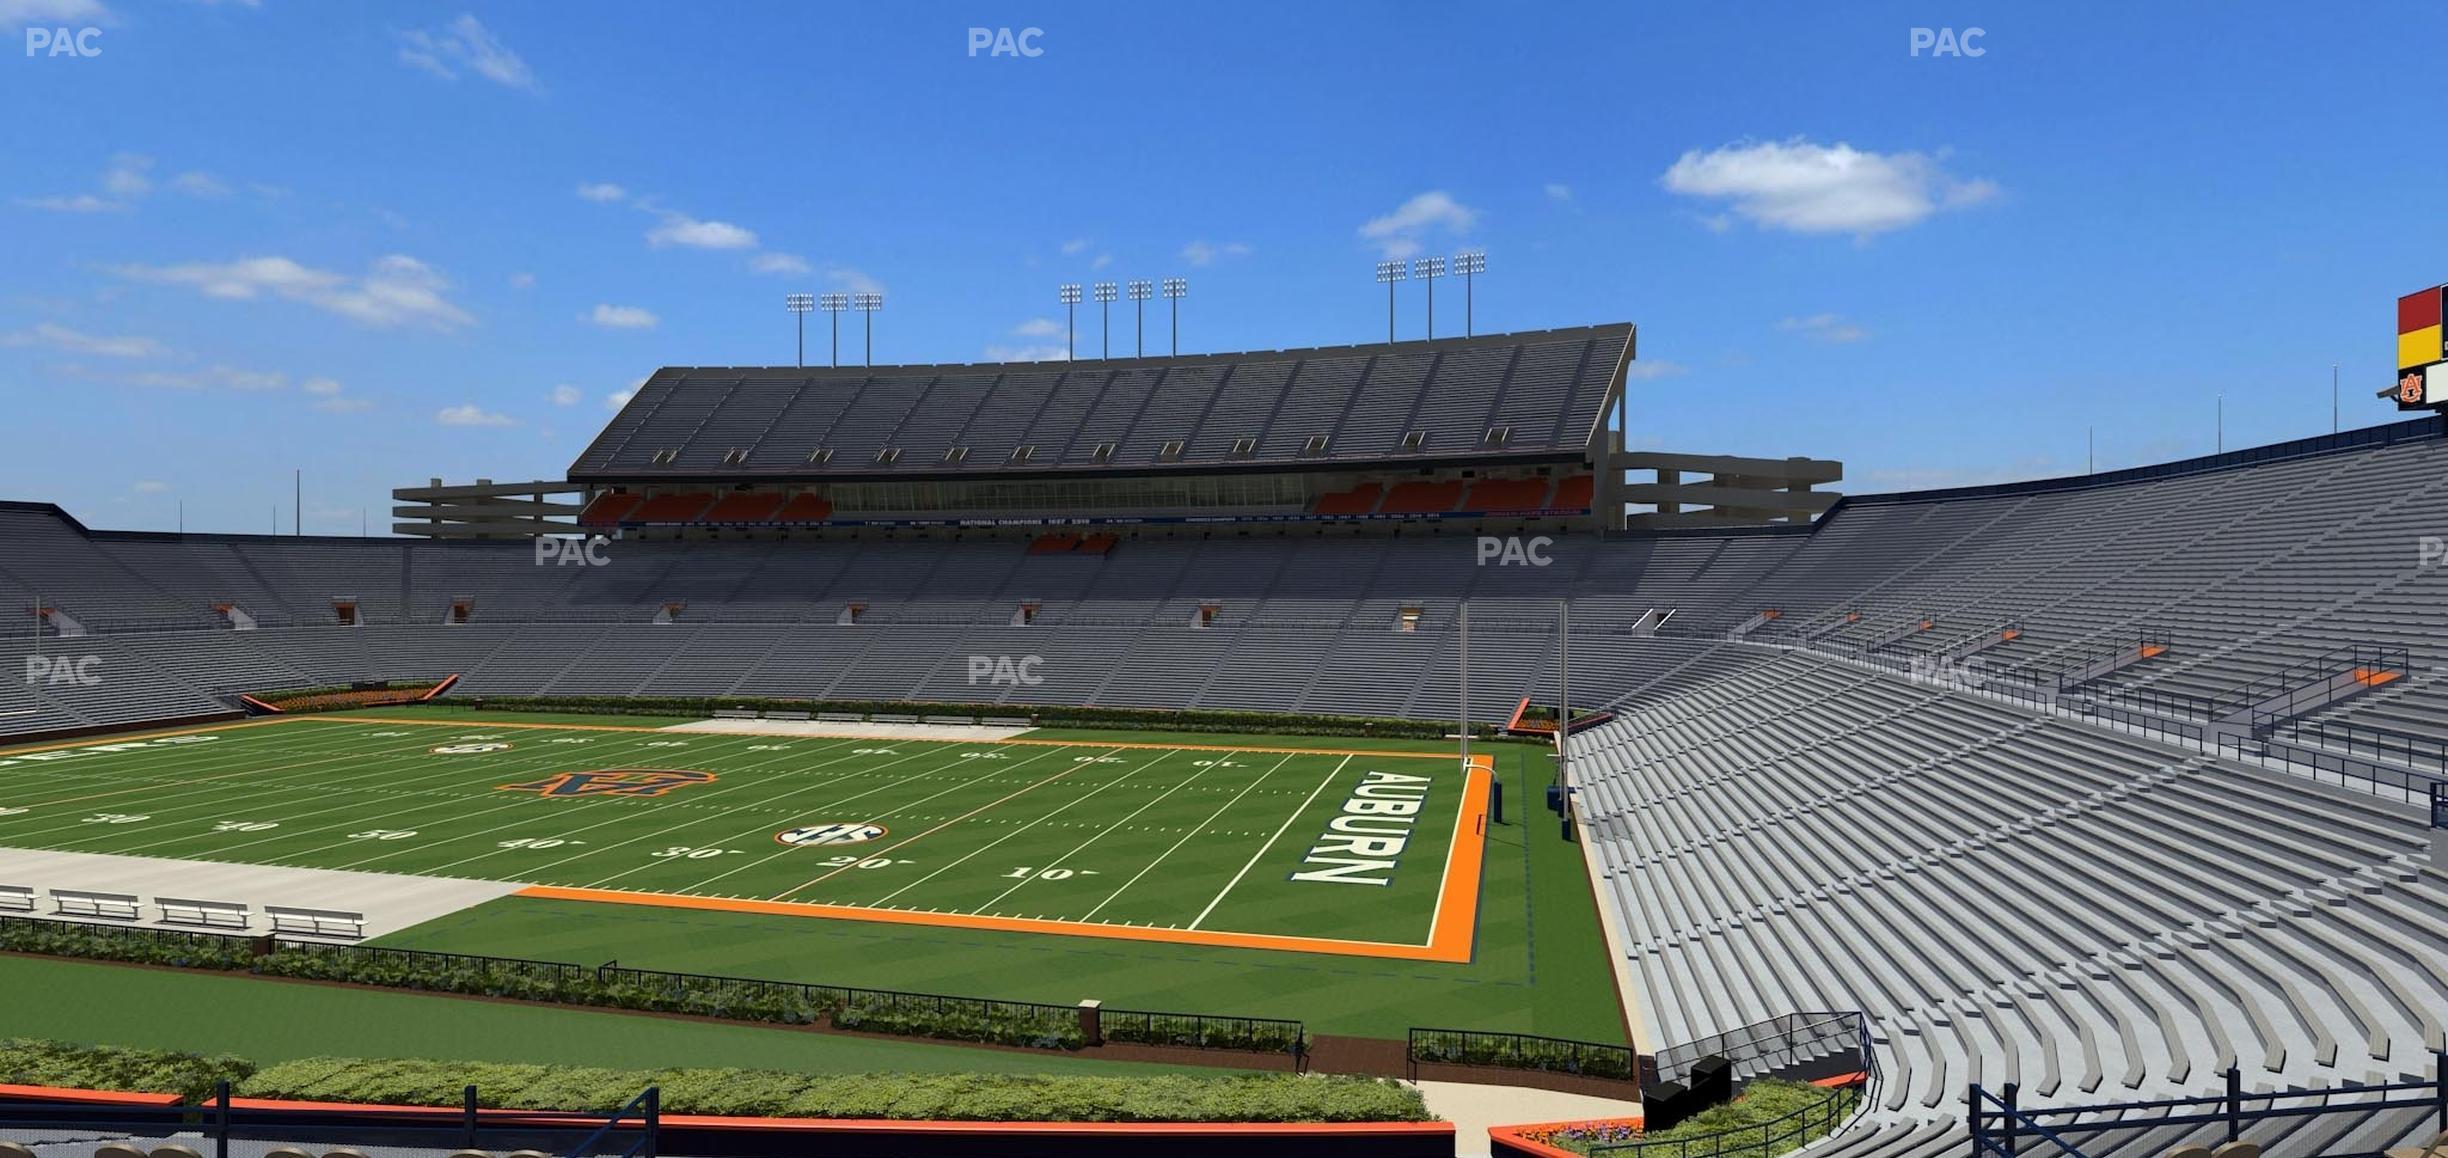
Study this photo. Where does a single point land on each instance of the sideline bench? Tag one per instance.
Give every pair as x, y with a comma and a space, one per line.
107, 906
210, 914
786, 715
1006, 722
332, 923
734, 714
841, 717
16, 898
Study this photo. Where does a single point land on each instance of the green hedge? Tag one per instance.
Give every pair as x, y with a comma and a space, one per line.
733, 999
1523, 1052
767, 1093
1044, 716
29, 1062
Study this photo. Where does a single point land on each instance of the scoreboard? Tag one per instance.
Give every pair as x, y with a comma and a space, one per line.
2422, 350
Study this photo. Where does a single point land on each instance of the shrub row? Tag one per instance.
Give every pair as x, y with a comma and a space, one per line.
745, 1093
29, 1062
1771, 1117
1044, 716
734, 999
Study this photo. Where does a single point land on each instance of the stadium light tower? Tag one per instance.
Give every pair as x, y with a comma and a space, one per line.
1389, 272
1465, 264
1070, 295
1140, 292
834, 304
1105, 299
1175, 289
868, 304
799, 305
1428, 269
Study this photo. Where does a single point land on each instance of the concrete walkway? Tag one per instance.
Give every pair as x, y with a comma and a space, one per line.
1474, 1108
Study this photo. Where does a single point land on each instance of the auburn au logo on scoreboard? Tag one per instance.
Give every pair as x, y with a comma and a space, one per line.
2422, 350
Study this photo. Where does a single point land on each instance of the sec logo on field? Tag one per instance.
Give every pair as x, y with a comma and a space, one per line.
816, 834
470, 749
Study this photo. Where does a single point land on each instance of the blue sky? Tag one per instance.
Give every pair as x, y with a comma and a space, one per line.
382, 243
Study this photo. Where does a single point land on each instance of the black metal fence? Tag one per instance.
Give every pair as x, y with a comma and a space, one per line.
1777, 1135
1519, 1051
2002, 1126
217, 1125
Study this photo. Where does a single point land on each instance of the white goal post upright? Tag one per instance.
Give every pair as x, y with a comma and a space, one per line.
1564, 704
1465, 682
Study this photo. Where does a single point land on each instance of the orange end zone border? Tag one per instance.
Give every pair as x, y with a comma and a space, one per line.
1451, 932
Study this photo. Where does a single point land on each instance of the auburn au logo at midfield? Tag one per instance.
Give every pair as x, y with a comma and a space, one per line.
613, 782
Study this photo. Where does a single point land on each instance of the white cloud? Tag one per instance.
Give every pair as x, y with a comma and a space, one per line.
324, 386
1075, 246
62, 338
342, 405
522, 281
464, 45
472, 415
197, 183
778, 263
1398, 234
566, 395
623, 317
1205, 252
682, 229
619, 398
18, 14
1558, 191
602, 191
850, 280
227, 377
1825, 327
395, 290
1037, 328
73, 203
150, 487
1654, 368
1026, 354
1102, 260
1800, 187
129, 176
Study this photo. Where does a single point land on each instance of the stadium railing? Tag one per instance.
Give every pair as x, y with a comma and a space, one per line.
1518, 1051
226, 1124
1778, 1135
1816, 1041
2002, 1126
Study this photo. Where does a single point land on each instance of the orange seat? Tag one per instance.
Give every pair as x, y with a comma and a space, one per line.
744, 507
606, 509
1422, 498
805, 508
1359, 500
679, 508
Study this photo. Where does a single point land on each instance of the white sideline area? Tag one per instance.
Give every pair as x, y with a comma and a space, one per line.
1473, 1108
390, 901
851, 730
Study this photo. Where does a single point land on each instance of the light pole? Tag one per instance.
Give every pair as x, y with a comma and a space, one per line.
1175, 289
799, 305
1105, 300
833, 305
1428, 269
1140, 291
868, 304
1070, 295
1467, 263
1389, 272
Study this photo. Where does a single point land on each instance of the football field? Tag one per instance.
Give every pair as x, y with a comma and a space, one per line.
1305, 847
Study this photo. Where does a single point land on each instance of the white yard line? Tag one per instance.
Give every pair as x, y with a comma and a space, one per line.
1189, 836
1262, 849
990, 845
1101, 834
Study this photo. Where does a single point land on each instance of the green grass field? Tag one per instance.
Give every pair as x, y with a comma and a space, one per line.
1089, 828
